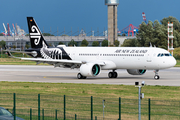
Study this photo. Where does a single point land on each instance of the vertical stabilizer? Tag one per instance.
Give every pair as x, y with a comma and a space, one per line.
35, 35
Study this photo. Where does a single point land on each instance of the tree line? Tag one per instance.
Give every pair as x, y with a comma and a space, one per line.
155, 33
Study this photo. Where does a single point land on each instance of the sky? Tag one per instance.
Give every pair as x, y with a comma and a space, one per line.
51, 15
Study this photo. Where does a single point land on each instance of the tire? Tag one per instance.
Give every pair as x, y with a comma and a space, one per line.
110, 74
115, 74
79, 76
156, 77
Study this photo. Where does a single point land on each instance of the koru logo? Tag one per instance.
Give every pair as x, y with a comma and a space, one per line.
36, 34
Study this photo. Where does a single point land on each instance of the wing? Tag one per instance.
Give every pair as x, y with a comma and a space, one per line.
52, 60
65, 63
60, 62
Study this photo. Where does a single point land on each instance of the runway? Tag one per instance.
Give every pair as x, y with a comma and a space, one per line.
49, 74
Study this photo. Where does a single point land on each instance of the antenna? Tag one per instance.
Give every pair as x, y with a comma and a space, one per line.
144, 17
170, 30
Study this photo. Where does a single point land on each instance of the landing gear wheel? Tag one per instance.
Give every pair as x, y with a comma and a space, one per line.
115, 75
112, 74
156, 77
79, 76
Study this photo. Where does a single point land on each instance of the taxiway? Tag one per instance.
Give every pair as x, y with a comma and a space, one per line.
28, 73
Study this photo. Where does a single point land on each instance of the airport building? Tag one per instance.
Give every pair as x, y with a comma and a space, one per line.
21, 42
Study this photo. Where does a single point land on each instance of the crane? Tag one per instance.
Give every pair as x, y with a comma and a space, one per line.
15, 33
9, 31
130, 29
5, 30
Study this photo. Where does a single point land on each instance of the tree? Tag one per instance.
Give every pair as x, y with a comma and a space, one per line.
145, 35
27, 46
95, 43
60, 43
123, 34
104, 43
116, 43
2, 43
72, 43
156, 33
176, 38
84, 43
176, 24
14, 46
1, 34
160, 35
130, 43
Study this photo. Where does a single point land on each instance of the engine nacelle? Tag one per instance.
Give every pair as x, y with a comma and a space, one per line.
136, 71
90, 69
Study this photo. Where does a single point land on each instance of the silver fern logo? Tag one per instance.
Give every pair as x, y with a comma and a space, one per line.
36, 34
50, 53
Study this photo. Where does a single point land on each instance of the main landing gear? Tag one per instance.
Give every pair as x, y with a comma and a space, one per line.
113, 74
79, 76
156, 77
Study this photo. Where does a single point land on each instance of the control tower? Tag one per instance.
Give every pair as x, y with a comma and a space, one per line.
112, 20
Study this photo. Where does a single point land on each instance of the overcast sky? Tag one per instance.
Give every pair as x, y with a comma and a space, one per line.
84, 14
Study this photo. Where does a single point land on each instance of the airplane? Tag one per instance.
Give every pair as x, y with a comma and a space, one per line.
91, 60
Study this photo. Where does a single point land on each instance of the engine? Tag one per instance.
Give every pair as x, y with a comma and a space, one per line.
136, 71
90, 69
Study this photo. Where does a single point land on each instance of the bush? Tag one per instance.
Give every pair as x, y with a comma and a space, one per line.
104, 43
84, 43
95, 43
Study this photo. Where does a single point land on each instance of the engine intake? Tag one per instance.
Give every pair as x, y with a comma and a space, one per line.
136, 71
90, 69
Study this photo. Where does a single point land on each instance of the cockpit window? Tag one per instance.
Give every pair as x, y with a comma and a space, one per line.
164, 54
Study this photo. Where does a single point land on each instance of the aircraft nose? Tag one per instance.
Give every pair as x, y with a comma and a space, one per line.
173, 62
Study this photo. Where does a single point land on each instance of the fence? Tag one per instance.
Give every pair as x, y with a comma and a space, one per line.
50, 107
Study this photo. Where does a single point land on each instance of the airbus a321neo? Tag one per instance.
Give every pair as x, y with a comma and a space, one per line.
91, 60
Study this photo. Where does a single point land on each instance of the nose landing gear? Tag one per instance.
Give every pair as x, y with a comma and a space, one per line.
156, 77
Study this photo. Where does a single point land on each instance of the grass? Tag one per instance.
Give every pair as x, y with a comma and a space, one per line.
164, 99
178, 63
5, 60
13, 61
87, 90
